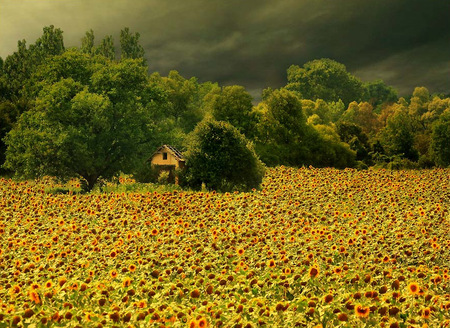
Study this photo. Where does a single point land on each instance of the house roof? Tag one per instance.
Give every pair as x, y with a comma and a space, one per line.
176, 153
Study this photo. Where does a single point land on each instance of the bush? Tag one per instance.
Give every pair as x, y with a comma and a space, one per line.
146, 173
221, 158
163, 177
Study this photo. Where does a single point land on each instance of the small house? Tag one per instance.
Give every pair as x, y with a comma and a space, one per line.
167, 158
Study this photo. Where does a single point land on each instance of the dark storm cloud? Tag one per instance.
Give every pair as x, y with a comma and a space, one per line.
252, 43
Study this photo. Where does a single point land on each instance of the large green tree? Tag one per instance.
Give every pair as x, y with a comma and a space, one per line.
221, 158
184, 104
233, 104
397, 137
378, 92
325, 79
16, 77
283, 135
440, 140
90, 120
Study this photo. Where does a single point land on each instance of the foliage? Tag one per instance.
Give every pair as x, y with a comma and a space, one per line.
328, 150
284, 137
295, 125
221, 158
90, 120
282, 130
313, 247
358, 141
129, 45
440, 140
146, 172
398, 137
362, 114
233, 104
378, 93
163, 177
19, 67
184, 105
325, 79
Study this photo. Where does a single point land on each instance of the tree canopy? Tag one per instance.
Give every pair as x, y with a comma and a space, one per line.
325, 79
90, 119
221, 158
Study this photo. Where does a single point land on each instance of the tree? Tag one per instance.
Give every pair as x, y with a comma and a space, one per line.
378, 93
84, 128
354, 136
15, 77
361, 114
282, 136
106, 48
129, 45
419, 102
221, 158
87, 43
184, 104
51, 43
397, 137
440, 140
325, 79
233, 104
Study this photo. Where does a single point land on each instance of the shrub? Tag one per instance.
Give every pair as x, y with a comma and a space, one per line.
221, 158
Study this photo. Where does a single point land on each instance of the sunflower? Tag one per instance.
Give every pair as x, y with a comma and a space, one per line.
313, 272
328, 298
287, 271
426, 313
34, 296
193, 323
361, 311
271, 263
126, 282
414, 288
202, 323
132, 267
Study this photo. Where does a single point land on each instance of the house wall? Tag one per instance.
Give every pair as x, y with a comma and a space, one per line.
171, 160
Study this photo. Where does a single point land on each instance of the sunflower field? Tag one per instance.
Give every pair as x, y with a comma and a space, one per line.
311, 248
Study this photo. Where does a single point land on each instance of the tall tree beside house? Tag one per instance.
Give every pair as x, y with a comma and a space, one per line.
90, 121
233, 104
221, 158
184, 106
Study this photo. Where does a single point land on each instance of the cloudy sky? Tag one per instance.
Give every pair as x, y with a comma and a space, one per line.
406, 43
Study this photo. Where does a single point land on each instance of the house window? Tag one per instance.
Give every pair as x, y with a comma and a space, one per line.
165, 156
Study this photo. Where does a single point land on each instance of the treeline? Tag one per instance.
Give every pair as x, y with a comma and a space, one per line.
77, 111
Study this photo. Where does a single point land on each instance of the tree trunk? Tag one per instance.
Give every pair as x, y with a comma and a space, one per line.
89, 183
